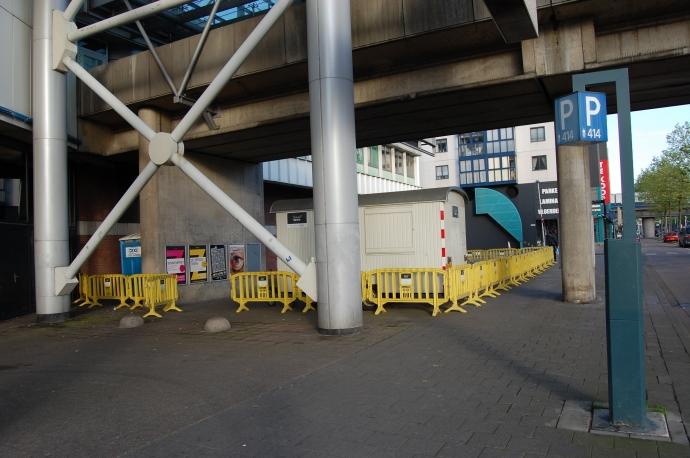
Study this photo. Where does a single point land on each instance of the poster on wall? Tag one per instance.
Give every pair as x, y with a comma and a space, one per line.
198, 266
219, 266
236, 258
175, 262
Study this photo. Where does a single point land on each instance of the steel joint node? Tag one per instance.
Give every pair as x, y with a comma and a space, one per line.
162, 147
62, 46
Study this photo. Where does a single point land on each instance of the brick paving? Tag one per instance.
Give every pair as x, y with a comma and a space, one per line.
488, 383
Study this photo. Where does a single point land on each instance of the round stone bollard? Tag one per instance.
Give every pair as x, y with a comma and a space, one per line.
217, 324
131, 321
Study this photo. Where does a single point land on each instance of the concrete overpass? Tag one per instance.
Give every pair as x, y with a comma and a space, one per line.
648, 215
422, 68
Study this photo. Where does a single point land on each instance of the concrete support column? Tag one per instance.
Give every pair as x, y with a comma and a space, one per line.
576, 229
648, 227
336, 219
149, 202
49, 111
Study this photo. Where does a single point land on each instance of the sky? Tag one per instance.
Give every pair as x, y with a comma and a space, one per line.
649, 130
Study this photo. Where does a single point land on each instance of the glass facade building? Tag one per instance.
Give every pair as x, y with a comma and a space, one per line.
487, 157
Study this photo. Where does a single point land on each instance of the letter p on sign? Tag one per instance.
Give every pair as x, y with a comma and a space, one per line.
566, 111
581, 118
592, 108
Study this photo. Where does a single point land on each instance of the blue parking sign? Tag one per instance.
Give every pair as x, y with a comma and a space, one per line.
581, 118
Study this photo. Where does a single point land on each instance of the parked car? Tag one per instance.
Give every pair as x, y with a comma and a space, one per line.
684, 238
671, 237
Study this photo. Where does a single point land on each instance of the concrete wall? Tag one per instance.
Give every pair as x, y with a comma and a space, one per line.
174, 210
525, 149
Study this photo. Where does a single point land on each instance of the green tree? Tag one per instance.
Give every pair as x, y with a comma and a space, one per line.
665, 184
678, 150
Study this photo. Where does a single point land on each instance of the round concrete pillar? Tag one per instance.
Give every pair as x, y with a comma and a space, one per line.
151, 250
576, 225
648, 227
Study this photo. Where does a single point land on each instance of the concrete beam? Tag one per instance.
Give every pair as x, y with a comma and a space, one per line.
516, 19
505, 87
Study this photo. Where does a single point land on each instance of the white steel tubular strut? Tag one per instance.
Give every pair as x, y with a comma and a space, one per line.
124, 18
229, 69
93, 84
240, 214
153, 52
72, 9
199, 48
112, 218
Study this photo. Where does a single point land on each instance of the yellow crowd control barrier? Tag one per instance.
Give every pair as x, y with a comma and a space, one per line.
109, 287
493, 271
83, 298
137, 289
423, 286
494, 253
160, 290
490, 273
246, 287
131, 291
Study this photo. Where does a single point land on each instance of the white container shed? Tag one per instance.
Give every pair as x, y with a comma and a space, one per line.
420, 228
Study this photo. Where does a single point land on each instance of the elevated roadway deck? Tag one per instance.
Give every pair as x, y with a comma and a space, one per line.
421, 68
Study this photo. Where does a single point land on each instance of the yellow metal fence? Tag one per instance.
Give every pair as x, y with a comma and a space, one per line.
132, 291
491, 272
280, 287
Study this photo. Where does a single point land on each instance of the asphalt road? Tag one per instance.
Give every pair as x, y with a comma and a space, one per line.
672, 263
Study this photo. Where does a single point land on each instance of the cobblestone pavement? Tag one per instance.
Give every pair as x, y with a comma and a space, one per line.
488, 383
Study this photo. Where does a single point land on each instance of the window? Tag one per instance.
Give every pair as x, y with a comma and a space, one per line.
410, 166
536, 134
387, 161
399, 161
374, 157
441, 172
500, 141
442, 145
471, 144
359, 155
538, 162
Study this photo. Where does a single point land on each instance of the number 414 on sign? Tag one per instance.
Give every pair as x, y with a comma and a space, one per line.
581, 118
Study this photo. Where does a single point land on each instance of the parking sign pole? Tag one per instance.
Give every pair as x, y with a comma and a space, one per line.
624, 306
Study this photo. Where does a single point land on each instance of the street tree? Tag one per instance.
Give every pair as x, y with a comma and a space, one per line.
678, 146
665, 184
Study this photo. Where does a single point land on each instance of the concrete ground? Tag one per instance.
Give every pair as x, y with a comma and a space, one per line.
488, 383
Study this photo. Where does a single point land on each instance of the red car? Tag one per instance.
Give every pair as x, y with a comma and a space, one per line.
671, 237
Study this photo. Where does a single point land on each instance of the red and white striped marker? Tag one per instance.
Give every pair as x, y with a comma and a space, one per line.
444, 259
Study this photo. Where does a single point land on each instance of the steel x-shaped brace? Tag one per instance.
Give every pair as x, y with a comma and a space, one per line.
164, 147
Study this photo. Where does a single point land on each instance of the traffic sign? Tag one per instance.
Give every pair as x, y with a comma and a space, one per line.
581, 118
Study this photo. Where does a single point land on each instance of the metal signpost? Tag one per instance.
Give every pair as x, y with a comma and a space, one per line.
581, 117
